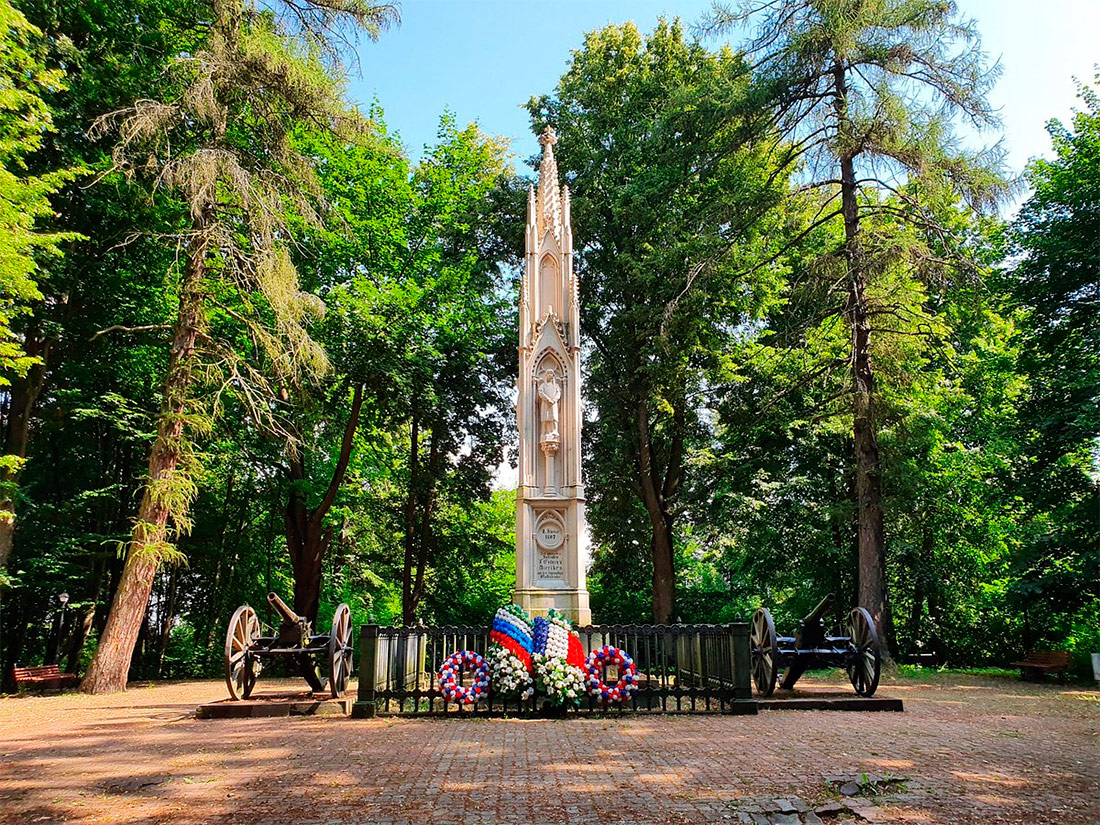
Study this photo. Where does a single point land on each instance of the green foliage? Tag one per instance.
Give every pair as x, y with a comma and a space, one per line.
421, 316
25, 119
713, 312
1056, 287
672, 216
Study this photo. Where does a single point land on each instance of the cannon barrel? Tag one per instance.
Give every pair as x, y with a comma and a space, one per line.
819, 612
280, 607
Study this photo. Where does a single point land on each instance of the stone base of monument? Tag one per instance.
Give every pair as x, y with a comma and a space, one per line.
294, 703
571, 603
827, 699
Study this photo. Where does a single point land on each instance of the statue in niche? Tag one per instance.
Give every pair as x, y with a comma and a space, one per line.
549, 393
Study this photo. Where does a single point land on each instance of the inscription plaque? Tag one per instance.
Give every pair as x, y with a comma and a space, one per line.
550, 566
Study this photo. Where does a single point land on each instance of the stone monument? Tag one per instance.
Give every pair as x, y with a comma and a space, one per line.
550, 497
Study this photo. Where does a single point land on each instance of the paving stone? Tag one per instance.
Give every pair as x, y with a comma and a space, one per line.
786, 819
60, 754
830, 808
873, 814
851, 788
785, 806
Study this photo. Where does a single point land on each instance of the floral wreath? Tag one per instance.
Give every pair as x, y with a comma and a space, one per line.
450, 684
627, 683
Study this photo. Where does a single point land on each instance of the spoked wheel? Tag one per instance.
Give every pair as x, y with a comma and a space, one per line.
864, 657
241, 668
763, 650
340, 652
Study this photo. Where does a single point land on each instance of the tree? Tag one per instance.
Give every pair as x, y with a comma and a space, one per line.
453, 321
25, 119
368, 192
671, 210
74, 411
417, 330
1056, 285
862, 94
220, 140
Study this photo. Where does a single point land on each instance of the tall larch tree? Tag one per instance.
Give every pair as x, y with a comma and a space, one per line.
219, 140
862, 95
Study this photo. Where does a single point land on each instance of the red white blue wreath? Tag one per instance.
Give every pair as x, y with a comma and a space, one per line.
626, 684
450, 678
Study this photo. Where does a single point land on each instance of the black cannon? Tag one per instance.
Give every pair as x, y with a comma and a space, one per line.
812, 647
324, 661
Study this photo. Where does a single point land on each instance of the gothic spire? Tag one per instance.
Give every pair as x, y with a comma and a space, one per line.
549, 194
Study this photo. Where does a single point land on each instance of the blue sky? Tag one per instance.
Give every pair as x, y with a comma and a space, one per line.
483, 58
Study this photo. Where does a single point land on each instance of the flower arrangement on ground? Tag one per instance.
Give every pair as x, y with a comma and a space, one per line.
450, 678
626, 682
510, 646
558, 660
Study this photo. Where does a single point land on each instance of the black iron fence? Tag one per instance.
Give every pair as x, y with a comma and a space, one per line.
681, 669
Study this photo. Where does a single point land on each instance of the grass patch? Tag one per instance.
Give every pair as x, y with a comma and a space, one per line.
919, 672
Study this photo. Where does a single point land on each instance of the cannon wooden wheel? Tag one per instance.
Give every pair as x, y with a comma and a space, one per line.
340, 652
864, 658
241, 667
762, 643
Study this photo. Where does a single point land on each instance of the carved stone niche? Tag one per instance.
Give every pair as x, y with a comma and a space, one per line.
550, 292
550, 398
550, 539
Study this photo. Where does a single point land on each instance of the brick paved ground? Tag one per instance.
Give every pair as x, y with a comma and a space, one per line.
973, 751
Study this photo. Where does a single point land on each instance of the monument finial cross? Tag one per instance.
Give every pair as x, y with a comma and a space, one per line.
548, 136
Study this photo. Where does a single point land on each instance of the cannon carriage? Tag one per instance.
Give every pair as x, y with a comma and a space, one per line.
323, 660
812, 646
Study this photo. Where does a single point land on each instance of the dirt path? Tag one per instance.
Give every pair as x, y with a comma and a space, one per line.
971, 750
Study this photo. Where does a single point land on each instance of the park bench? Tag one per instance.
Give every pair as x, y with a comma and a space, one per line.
47, 677
1040, 662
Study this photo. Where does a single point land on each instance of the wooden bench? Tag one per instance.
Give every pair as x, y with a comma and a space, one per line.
1040, 662
47, 677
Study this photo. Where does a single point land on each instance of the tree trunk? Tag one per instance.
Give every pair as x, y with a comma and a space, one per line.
80, 635
23, 393
306, 540
82, 630
212, 616
656, 495
17, 639
110, 665
425, 536
419, 510
408, 608
307, 537
664, 573
872, 561
167, 619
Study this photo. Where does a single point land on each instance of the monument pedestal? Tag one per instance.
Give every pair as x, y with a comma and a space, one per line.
573, 604
549, 567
